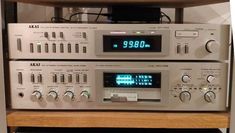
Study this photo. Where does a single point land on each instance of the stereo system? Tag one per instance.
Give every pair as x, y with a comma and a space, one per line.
170, 67
118, 85
119, 41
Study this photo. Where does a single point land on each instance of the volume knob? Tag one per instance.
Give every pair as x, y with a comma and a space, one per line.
210, 78
186, 78
185, 96
210, 97
85, 95
52, 96
212, 46
36, 95
68, 96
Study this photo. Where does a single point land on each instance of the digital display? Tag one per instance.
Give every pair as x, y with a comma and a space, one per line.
133, 43
132, 80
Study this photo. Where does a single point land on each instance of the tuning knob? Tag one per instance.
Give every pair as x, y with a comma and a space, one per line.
185, 96
210, 97
68, 96
210, 78
85, 95
52, 96
36, 95
212, 46
186, 78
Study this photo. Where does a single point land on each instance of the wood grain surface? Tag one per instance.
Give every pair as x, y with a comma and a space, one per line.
96, 3
117, 119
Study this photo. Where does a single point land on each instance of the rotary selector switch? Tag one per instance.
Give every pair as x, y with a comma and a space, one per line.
186, 78
84, 95
36, 95
68, 96
52, 96
210, 78
212, 46
185, 96
210, 97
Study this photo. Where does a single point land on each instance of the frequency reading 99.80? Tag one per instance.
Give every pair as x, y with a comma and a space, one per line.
132, 43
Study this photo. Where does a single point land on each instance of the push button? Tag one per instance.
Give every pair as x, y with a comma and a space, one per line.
31, 48
19, 44
46, 48
76, 48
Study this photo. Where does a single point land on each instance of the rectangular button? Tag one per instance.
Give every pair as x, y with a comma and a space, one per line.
178, 49
39, 50
77, 78
31, 48
20, 78
46, 48
19, 43
70, 78
84, 49
32, 78
53, 35
54, 78
69, 48
61, 48
39, 78
186, 33
61, 35
62, 78
84, 35
76, 48
186, 49
84, 78
54, 48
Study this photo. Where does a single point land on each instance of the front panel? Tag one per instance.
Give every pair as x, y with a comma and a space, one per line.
118, 85
119, 41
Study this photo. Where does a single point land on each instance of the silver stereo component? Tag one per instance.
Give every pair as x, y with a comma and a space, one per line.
118, 85
119, 41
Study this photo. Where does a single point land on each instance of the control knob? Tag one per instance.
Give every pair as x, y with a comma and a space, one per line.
186, 78
36, 95
210, 78
185, 96
52, 96
212, 46
85, 95
68, 96
210, 97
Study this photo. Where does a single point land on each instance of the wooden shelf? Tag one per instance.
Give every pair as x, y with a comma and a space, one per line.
117, 119
95, 3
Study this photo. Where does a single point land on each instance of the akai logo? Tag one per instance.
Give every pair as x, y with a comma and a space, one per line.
33, 26
35, 64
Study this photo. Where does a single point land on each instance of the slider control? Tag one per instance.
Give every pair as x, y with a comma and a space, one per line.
20, 78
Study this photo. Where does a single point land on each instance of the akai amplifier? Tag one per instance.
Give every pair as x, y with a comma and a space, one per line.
72, 85
119, 41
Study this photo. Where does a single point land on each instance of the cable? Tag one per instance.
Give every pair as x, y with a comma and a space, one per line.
98, 15
70, 18
53, 19
165, 15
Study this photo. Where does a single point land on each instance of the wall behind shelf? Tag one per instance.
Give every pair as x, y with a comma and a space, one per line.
216, 13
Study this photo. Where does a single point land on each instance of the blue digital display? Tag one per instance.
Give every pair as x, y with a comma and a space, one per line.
132, 80
143, 43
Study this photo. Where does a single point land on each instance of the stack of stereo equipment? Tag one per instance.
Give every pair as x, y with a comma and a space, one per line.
170, 67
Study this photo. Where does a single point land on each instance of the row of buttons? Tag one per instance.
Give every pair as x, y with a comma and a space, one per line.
69, 78
55, 48
38, 78
182, 49
61, 35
